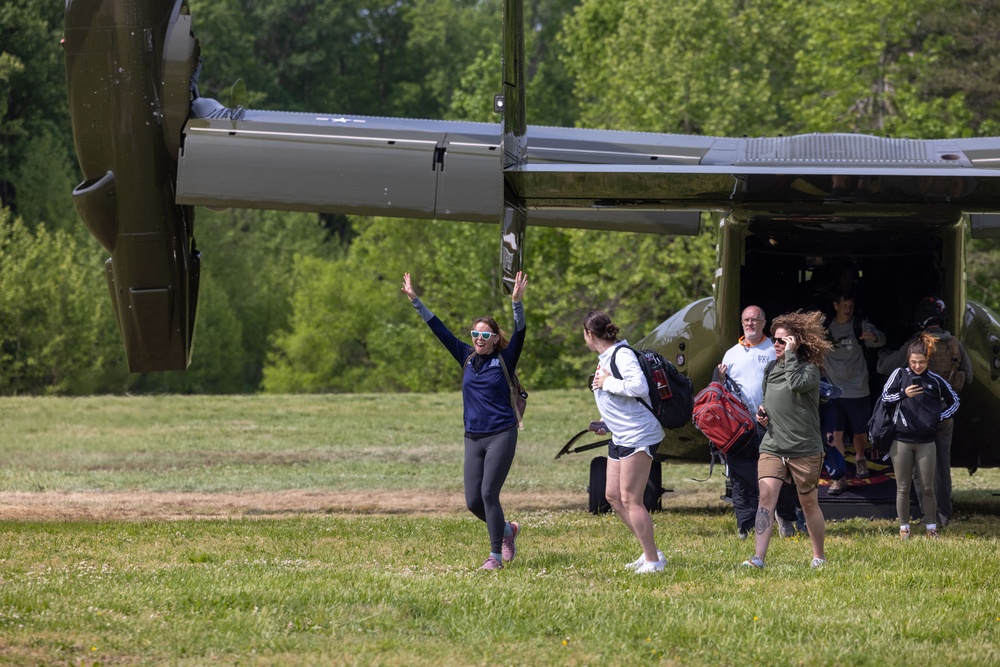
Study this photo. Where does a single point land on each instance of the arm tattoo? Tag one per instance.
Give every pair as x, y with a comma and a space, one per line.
763, 521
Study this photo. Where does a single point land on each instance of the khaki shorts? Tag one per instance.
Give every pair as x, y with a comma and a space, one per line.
803, 471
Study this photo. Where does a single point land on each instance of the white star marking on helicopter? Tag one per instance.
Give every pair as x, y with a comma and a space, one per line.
340, 120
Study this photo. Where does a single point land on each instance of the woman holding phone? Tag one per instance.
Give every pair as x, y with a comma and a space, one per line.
491, 423
923, 399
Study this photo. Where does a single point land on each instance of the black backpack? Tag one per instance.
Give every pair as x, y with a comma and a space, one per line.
882, 425
671, 393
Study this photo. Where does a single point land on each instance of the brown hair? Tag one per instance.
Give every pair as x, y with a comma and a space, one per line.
924, 344
599, 323
495, 328
808, 328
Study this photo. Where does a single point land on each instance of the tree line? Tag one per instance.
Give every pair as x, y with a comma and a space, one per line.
294, 302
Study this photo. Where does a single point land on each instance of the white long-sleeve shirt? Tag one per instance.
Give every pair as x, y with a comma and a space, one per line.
630, 422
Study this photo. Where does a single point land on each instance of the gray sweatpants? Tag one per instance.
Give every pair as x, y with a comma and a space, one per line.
905, 456
942, 472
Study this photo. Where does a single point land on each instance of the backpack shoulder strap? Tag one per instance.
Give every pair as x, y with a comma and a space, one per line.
954, 358
614, 367
618, 376
512, 385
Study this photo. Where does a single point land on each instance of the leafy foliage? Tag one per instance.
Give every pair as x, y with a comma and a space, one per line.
44, 184
32, 92
961, 35
57, 334
858, 74
691, 67
295, 302
245, 297
353, 331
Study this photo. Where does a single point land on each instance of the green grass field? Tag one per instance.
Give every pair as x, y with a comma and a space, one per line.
291, 530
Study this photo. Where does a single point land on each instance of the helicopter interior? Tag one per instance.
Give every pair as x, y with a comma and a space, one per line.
888, 267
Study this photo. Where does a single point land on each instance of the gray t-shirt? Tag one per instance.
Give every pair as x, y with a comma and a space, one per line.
845, 364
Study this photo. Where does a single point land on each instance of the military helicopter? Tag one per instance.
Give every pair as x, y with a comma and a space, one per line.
788, 210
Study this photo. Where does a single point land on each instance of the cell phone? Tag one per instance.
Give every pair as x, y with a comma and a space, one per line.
916, 382
596, 426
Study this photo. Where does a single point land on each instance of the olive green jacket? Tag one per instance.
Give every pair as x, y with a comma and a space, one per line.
791, 399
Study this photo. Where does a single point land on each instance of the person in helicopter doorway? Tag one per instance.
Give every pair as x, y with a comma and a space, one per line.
847, 368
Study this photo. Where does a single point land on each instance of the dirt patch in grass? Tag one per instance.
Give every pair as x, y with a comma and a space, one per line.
146, 505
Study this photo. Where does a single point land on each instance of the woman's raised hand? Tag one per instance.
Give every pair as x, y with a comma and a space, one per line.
408, 287
520, 282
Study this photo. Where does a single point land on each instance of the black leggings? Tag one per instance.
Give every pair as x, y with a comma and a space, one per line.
487, 462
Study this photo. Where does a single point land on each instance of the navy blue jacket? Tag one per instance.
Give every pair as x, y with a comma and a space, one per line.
485, 392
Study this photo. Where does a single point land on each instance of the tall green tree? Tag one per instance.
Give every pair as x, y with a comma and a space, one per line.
352, 330
705, 67
57, 333
721, 67
387, 58
961, 35
860, 73
33, 111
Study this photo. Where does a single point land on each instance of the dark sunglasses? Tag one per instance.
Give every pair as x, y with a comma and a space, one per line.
779, 340
486, 335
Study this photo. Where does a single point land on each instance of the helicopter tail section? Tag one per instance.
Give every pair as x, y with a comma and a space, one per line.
130, 68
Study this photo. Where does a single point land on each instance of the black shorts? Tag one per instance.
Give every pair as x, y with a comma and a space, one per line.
617, 453
849, 414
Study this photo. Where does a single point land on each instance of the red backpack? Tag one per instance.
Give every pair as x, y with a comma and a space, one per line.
720, 415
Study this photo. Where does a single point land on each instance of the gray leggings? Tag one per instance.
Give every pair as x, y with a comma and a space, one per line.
487, 462
904, 455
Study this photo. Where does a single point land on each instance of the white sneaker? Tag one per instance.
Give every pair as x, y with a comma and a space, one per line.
634, 565
648, 567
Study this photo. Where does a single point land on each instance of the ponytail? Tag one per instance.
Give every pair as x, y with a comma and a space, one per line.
924, 344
